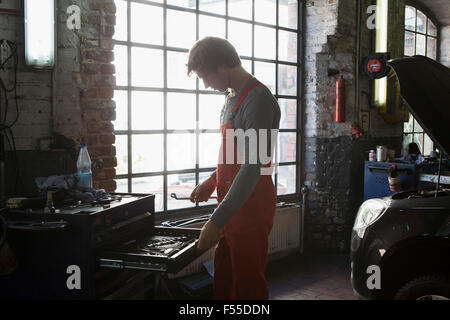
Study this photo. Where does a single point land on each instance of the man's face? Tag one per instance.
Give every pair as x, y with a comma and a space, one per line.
215, 80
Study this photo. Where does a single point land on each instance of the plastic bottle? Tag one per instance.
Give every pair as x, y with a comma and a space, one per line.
84, 173
372, 155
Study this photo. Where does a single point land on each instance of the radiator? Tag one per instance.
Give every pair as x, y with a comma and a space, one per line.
285, 235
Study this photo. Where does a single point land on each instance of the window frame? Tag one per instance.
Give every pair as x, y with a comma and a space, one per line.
429, 15
129, 89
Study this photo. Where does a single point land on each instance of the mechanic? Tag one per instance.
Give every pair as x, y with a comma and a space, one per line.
241, 223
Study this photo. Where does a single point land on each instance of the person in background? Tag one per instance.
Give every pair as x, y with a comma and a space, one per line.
414, 154
241, 223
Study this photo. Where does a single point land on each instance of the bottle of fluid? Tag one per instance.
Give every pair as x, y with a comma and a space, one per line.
84, 173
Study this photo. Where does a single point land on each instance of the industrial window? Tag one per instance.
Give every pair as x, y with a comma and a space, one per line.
167, 124
421, 38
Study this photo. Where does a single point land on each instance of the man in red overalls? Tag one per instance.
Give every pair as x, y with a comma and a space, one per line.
241, 223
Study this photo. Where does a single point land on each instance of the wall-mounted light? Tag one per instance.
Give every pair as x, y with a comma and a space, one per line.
381, 46
39, 33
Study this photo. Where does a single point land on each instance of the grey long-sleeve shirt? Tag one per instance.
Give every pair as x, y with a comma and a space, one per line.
259, 110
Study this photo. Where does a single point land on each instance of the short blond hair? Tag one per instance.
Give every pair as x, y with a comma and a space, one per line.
210, 53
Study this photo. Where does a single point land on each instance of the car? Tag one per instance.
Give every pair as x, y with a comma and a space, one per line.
400, 244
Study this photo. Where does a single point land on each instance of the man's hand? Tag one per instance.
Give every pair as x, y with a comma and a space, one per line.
204, 190
209, 236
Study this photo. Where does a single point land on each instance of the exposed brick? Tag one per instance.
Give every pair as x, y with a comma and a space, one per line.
90, 68
110, 19
107, 68
107, 7
107, 31
94, 19
91, 140
105, 93
103, 151
107, 139
104, 174
110, 162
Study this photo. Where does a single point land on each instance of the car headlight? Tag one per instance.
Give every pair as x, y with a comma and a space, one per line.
370, 211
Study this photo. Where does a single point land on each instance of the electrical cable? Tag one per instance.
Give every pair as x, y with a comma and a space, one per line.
6, 129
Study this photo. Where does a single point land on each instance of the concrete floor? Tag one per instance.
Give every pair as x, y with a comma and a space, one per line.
310, 277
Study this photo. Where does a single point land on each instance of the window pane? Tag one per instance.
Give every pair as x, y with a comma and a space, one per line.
177, 72
265, 72
431, 48
417, 127
145, 159
182, 185
418, 139
210, 108
420, 44
209, 145
121, 65
409, 43
287, 46
288, 113
180, 151
180, 111
121, 100
147, 110
181, 29
212, 6
121, 145
408, 126
287, 142
286, 180
288, 13
287, 80
265, 39
202, 177
410, 18
211, 26
432, 30
247, 65
182, 3
427, 145
120, 29
121, 185
240, 9
421, 22
153, 185
266, 11
146, 67
240, 35
146, 24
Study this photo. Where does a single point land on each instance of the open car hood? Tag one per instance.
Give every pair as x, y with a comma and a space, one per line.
425, 86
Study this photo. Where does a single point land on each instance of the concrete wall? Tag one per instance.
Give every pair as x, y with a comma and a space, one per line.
73, 102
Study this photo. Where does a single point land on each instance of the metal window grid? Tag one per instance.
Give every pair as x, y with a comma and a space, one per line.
129, 133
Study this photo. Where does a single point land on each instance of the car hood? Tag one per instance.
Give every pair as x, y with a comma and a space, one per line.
425, 86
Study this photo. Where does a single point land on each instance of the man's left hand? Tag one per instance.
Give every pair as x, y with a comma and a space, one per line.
209, 236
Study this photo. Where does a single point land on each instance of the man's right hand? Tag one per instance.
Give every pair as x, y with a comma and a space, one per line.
204, 190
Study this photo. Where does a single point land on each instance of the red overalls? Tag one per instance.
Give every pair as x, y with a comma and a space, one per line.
240, 255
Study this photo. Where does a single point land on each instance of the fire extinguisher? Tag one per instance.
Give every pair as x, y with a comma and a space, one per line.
339, 112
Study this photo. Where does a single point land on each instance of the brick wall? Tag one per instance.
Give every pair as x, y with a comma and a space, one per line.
80, 87
333, 159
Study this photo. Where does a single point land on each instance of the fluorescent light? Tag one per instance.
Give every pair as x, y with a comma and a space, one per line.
381, 46
39, 33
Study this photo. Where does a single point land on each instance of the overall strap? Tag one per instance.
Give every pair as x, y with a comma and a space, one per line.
244, 94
